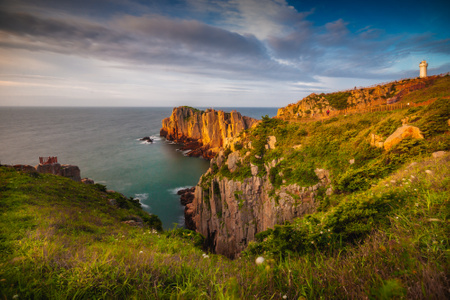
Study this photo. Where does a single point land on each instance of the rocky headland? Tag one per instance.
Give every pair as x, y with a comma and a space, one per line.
204, 133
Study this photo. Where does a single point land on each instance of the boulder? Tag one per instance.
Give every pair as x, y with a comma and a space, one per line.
254, 169
233, 158
439, 154
401, 133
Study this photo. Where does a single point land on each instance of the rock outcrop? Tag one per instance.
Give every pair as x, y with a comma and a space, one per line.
204, 132
402, 133
230, 212
69, 171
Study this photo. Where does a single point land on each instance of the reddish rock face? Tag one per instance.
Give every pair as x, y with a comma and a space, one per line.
204, 132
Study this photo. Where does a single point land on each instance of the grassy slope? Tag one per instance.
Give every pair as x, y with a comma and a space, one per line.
385, 234
61, 240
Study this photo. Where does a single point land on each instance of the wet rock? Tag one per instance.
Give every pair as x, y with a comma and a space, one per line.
147, 139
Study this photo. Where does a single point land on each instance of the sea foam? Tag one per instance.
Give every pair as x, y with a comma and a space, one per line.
141, 198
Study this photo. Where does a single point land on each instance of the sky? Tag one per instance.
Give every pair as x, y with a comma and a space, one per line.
216, 53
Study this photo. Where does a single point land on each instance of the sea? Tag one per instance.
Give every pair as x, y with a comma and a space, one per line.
104, 143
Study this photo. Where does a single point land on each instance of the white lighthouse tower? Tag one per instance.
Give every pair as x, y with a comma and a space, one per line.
423, 69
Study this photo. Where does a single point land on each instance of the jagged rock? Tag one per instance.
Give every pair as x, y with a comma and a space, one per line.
205, 131
147, 139
87, 181
401, 133
439, 154
186, 195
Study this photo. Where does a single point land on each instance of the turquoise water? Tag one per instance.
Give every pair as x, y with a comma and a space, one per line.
104, 143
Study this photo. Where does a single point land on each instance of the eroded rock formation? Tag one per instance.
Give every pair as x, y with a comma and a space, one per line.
204, 132
230, 212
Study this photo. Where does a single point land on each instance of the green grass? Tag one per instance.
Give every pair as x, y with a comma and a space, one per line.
61, 239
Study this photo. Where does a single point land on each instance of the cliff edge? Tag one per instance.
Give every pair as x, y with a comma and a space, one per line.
204, 132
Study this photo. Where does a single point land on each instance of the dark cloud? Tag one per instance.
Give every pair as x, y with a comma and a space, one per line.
297, 53
151, 40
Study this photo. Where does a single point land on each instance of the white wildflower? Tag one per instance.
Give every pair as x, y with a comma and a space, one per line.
259, 260
284, 297
140, 252
321, 232
15, 296
417, 204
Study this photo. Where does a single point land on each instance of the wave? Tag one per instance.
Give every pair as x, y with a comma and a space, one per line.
175, 190
142, 197
184, 152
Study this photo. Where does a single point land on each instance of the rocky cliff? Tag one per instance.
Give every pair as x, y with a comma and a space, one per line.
204, 132
230, 211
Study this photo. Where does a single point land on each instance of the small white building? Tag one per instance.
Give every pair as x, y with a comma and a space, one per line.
423, 69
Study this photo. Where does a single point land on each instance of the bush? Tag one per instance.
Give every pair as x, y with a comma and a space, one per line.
196, 238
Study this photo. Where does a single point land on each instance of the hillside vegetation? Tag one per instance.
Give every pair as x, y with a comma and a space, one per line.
379, 230
413, 91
